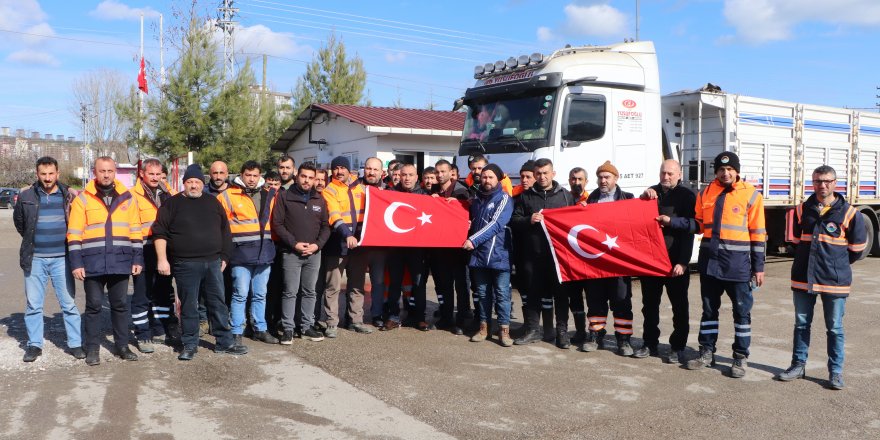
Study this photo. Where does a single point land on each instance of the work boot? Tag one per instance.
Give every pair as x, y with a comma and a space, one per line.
78, 353
797, 370
645, 351
595, 340
145, 345
93, 357
623, 346
172, 335
835, 381
204, 328
739, 365
330, 332
580, 326
675, 356
126, 354
706, 359
562, 340
504, 336
549, 330
265, 337
187, 354
531, 331
482, 333
32, 353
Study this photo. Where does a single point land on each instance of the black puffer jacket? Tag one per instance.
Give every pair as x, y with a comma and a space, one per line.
530, 239
25, 215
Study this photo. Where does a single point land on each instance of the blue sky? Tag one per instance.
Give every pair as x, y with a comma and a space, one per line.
810, 51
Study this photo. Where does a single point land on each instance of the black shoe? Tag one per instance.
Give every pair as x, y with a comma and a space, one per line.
286, 338
623, 347
126, 354
313, 335
31, 353
579, 337
172, 335
187, 354
265, 337
562, 340
795, 371
457, 330
378, 323
443, 324
645, 351
236, 348
78, 353
93, 357
531, 335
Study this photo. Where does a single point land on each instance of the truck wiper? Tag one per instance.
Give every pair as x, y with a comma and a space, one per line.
471, 144
508, 137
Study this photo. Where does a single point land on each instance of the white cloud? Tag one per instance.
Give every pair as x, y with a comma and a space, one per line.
114, 10
18, 14
761, 21
394, 57
261, 39
545, 34
597, 19
32, 57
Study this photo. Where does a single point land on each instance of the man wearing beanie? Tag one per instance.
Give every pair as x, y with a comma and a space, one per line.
490, 212
191, 228
613, 291
731, 215
346, 199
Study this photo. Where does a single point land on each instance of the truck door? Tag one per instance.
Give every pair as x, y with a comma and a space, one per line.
584, 133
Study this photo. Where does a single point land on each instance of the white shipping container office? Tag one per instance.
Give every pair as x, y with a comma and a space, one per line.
779, 144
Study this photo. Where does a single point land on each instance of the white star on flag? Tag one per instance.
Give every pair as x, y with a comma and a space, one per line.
424, 218
611, 242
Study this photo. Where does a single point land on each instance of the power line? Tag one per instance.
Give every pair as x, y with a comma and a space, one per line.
81, 40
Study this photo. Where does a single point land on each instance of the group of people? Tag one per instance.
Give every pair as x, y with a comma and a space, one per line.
268, 256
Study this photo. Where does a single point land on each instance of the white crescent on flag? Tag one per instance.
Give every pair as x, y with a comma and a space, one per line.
610, 241
389, 217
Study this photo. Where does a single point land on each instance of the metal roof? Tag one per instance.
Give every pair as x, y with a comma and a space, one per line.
379, 120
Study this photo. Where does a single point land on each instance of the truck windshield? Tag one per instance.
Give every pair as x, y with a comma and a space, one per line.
522, 121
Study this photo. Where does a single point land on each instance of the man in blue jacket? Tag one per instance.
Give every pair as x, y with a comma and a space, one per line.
40, 218
491, 209
830, 235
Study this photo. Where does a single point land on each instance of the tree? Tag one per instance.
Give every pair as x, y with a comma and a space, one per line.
99, 92
331, 77
17, 170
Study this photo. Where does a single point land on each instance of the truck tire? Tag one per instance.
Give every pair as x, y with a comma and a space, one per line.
870, 234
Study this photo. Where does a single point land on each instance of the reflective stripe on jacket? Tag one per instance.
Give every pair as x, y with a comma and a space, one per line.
102, 240
734, 234
147, 208
251, 226
345, 204
826, 245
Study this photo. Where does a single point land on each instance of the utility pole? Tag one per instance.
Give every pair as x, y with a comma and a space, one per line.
637, 20
878, 97
226, 13
161, 54
141, 105
83, 114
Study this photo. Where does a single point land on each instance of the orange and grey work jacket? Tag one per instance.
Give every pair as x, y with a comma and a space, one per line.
104, 240
148, 207
346, 202
734, 233
251, 226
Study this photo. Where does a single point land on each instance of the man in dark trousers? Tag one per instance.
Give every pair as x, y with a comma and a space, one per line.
538, 269
675, 204
193, 230
301, 223
613, 291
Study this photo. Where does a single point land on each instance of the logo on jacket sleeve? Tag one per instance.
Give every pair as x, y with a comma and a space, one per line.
831, 227
316, 208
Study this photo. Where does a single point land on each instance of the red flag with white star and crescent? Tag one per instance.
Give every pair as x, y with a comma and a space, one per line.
604, 240
400, 219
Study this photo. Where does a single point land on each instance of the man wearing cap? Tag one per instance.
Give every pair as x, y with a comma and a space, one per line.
613, 291
490, 211
731, 215
193, 230
346, 199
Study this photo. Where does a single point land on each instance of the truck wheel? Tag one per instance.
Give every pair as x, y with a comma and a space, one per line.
869, 233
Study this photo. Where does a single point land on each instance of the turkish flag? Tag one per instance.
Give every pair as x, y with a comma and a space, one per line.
142, 77
604, 240
401, 219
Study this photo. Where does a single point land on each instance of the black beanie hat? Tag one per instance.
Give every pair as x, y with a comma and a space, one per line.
194, 171
340, 161
727, 159
495, 169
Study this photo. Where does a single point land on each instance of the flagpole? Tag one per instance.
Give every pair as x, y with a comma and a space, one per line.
161, 54
141, 107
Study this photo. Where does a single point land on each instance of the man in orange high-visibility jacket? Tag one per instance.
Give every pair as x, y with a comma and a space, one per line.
153, 296
249, 209
346, 199
105, 244
731, 214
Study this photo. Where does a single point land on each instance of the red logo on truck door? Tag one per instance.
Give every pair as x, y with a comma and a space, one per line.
629, 103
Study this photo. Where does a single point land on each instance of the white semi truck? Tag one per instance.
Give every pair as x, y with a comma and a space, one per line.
581, 106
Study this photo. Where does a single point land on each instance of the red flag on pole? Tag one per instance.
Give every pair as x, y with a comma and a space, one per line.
142, 77
413, 220
607, 240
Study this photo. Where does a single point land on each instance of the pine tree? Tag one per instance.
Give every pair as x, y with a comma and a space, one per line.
331, 77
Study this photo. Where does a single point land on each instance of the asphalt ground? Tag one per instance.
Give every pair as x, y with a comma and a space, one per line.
420, 385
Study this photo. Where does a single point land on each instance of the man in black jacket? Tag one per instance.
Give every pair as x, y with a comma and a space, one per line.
675, 204
616, 291
537, 269
301, 223
193, 229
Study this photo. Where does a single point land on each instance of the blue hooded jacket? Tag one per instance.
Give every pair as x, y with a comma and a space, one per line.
490, 212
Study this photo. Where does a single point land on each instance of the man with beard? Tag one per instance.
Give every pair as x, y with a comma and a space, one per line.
106, 248
192, 229
320, 180
449, 265
577, 183
538, 270
286, 167
376, 256
613, 291
406, 258
282, 179
675, 204
219, 182
41, 217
